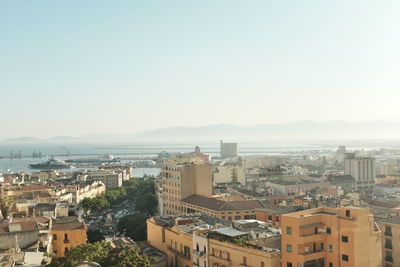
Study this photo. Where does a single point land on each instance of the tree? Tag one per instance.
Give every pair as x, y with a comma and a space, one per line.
126, 257
101, 253
134, 226
94, 236
5, 204
147, 204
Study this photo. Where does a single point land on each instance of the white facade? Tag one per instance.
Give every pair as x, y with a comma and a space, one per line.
227, 174
228, 150
362, 170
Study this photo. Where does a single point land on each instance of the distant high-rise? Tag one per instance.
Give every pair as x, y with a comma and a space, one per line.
362, 169
228, 150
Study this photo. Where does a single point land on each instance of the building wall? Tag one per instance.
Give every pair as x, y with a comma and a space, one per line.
229, 254
227, 174
267, 216
196, 180
75, 238
390, 244
309, 238
25, 238
362, 170
228, 150
181, 178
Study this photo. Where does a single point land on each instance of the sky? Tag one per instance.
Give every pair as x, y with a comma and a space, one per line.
79, 67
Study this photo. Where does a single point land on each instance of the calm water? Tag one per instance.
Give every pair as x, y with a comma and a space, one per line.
137, 150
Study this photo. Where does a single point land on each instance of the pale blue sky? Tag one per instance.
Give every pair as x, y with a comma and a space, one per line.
79, 66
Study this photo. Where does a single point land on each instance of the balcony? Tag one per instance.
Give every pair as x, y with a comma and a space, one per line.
219, 260
178, 253
389, 258
308, 256
312, 238
66, 241
198, 253
388, 233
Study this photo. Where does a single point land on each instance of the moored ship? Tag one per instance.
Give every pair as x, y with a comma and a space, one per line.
51, 164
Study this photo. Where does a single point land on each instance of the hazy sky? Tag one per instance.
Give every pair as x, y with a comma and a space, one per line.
76, 67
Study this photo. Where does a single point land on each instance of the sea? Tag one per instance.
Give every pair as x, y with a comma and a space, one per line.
136, 151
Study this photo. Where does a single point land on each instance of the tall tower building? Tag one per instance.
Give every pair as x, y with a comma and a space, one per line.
362, 169
228, 150
180, 178
331, 237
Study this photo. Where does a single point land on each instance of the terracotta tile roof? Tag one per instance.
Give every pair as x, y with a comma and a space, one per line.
241, 205
67, 223
219, 205
26, 224
34, 187
205, 202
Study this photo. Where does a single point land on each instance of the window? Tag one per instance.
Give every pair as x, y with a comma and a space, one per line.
65, 236
289, 248
345, 257
66, 250
330, 248
244, 260
55, 237
269, 217
237, 217
345, 239
322, 246
289, 264
328, 230
330, 264
347, 213
262, 264
289, 230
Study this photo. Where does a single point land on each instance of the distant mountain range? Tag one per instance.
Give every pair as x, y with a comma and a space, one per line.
299, 131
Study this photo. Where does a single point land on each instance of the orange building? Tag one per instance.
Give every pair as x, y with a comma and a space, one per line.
272, 215
67, 232
391, 241
189, 241
346, 236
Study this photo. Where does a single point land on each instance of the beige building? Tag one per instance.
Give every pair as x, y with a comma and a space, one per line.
181, 178
228, 174
362, 170
110, 178
346, 236
228, 150
390, 241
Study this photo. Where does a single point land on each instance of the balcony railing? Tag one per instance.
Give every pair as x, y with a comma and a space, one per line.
66, 241
178, 253
388, 233
198, 253
389, 258
388, 246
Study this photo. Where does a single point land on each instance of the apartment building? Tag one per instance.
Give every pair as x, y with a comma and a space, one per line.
181, 178
362, 169
345, 236
67, 232
110, 178
228, 150
206, 241
390, 241
228, 174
